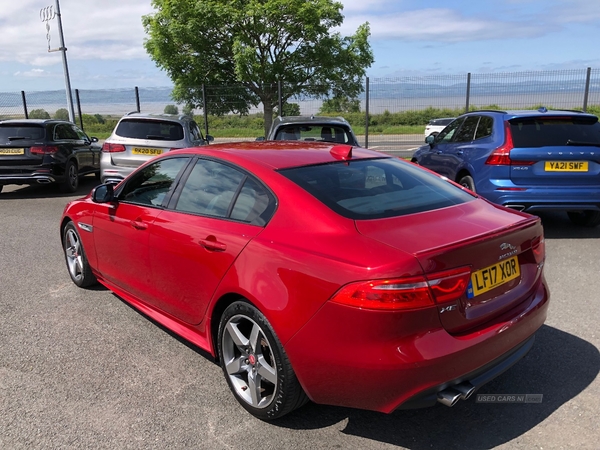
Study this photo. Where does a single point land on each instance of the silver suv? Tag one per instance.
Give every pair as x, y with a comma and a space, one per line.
139, 137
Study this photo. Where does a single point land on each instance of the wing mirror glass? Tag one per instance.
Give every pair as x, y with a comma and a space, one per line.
104, 193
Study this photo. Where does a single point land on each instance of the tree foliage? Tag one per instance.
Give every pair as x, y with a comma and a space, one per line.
38, 114
171, 109
255, 44
340, 105
61, 114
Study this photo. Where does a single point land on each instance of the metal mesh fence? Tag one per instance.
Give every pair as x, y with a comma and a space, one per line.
392, 102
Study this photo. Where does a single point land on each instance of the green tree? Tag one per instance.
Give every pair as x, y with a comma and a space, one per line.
254, 44
338, 105
289, 109
171, 109
38, 114
188, 110
61, 114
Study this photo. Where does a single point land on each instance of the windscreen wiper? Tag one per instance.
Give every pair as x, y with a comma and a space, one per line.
583, 144
18, 138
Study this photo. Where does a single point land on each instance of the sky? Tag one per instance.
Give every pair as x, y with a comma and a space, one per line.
104, 40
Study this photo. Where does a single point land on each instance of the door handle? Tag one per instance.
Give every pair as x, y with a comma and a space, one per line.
460, 152
439, 152
138, 224
211, 243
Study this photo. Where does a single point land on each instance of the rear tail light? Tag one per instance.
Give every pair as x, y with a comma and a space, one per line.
43, 149
501, 156
113, 148
406, 293
538, 247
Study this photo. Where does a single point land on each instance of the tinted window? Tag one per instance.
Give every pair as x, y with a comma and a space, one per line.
484, 128
467, 131
150, 185
210, 189
17, 133
327, 133
150, 129
447, 133
65, 132
554, 131
372, 189
195, 132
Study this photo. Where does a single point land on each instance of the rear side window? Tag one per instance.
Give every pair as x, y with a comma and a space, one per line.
17, 133
376, 188
150, 129
554, 131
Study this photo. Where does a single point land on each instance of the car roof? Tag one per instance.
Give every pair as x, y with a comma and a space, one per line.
148, 116
307, 119
34, 121
541, 112
280, 154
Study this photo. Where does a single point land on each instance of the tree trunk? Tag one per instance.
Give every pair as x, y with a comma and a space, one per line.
268, 115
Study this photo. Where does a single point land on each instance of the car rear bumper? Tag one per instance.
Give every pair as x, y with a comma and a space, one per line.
33, 178
379, 361
538, 198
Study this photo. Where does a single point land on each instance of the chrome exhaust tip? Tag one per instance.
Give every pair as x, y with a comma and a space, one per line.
517, 207
43, 181
448, 397
465, 389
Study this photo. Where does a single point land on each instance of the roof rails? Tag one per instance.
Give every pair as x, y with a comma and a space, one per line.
486, 110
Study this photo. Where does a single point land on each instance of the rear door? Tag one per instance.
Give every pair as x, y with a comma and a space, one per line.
555, 150
192, 245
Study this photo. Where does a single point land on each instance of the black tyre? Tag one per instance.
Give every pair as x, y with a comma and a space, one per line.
585, 218
77, 262
467, 181
71, 181
255, 365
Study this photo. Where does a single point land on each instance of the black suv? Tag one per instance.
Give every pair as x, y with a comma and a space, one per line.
46, 151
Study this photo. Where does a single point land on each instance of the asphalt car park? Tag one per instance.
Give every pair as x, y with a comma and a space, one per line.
81, 369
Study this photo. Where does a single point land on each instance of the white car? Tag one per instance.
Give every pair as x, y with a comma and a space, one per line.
436, 125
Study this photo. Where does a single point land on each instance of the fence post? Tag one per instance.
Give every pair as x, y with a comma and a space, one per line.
24, 104
468, 91
587, 88
279, 98
137, 99
367, 113
205, 110
79, 109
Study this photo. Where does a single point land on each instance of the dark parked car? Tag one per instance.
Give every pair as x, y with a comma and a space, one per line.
318, 271
46, 151
527, 160
312, 128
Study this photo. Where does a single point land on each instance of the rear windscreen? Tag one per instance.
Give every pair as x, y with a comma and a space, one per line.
150, 129
18, 133
554, 131
376, 188
313, 132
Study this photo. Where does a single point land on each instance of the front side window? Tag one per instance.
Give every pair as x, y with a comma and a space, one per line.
467, 131
447, 133
150, 185
376, 188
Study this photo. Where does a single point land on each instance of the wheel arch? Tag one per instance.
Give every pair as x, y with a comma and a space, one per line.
215, 318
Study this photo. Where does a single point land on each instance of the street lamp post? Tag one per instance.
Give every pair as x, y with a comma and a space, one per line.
46, 14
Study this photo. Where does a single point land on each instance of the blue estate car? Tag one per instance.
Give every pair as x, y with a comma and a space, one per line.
527, 160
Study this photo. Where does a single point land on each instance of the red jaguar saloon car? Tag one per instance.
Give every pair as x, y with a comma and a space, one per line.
318, 271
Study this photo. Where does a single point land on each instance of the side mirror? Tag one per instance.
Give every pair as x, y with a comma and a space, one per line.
104, 193
429, 139
209, 138
260, 138
94, 139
